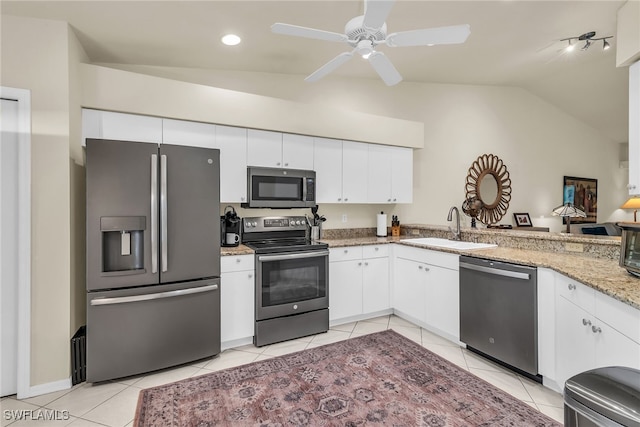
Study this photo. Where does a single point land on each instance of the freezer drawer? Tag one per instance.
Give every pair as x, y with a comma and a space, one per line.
144, 329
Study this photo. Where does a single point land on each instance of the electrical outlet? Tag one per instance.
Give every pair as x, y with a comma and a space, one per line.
344, 217
574, 247
415, 232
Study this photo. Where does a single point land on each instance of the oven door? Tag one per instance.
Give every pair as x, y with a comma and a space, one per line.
291, 283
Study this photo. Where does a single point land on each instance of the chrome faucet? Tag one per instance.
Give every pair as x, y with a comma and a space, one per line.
456, 232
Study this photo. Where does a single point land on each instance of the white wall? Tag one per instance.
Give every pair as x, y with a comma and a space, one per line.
538, 142
35, 57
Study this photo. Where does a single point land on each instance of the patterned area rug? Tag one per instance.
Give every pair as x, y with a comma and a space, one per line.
377, 379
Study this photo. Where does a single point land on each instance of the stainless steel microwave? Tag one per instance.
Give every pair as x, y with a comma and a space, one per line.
630, 248
280, 188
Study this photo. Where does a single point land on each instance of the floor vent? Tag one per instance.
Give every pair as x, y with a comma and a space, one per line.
79, 356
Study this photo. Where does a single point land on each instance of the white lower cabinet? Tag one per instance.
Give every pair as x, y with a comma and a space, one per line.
426, 289
358, 281
583, 339
237, 296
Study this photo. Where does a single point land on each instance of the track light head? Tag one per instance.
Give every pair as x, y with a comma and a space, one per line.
588, 38
605, 45
586, 45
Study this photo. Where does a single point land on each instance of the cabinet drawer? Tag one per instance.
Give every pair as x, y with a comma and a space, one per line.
345, 254
375, 251
236, 263
620, 316
427, 256
574, 291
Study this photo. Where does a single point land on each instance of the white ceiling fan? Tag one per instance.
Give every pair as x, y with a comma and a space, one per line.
367, 31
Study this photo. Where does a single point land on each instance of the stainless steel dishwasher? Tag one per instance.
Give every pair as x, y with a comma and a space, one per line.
498, 312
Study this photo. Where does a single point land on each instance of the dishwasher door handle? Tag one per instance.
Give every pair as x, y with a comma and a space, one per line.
496, 271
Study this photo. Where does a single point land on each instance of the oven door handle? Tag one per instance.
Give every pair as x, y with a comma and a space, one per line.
293, 255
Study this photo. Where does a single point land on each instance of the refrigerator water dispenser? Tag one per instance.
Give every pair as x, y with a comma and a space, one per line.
122, 244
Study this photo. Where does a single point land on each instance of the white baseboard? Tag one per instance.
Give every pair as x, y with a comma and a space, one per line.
40, 389
236, 343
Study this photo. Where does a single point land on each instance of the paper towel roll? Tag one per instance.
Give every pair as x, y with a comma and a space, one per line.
382, 225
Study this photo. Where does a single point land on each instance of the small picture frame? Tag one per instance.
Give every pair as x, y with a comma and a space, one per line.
522, 220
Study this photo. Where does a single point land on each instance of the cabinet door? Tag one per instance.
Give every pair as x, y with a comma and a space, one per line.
379, 174
401, 175
327, 162
236, 305
192, 134
131, 127
443, 300
634, 129
264, 148
574, 340
91, 125
232, 142
354, 172
613, 348
297, 151
345, 289
409, 291
375, 285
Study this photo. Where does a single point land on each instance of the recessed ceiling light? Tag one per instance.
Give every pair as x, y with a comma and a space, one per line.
231, 40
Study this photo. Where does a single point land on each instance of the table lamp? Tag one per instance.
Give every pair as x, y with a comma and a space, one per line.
632, 203
568, 210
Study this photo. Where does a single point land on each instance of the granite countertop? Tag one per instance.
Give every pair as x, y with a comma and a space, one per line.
604, 275
235, 250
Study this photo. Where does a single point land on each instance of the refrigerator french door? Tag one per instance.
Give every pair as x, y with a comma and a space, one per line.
153, 256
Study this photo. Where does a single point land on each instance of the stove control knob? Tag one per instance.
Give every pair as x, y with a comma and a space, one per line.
254, 224
295, 306
291, 223
297, 222
247, 224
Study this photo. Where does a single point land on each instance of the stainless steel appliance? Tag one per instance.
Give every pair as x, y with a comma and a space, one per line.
498, 312
153, 256
292, 279
630, 248
603, 397
280, 188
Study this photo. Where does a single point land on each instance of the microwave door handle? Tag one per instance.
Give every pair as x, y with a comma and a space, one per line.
304, 189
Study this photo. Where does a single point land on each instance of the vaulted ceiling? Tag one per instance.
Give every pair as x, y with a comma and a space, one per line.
512, 43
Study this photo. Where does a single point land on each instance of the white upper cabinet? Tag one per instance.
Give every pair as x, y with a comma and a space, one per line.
355, 164
232, 142
264, 148
390, 174
634, 129
191, 134
119, 126
327, 162
131, 127
401, 175
277, 150
297, 151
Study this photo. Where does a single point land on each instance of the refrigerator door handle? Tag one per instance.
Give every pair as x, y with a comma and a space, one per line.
163, 212
148, 297
154, 213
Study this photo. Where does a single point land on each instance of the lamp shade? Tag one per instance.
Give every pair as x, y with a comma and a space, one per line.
569, 210
632, 203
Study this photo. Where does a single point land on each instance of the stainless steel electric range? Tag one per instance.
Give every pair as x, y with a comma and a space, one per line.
291, 280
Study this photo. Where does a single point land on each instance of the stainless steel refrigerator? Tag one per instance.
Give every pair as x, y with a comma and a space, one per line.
153, 256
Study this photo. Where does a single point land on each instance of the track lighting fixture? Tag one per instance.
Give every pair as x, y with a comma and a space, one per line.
588, 38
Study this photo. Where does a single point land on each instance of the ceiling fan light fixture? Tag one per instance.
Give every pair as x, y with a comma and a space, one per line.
231, 39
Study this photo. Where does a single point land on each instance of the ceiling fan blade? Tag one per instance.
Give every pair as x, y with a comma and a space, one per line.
310, 33
329, 67
376, 12
430, 36
385, 68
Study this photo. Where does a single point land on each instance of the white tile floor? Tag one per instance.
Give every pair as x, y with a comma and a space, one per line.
113, 403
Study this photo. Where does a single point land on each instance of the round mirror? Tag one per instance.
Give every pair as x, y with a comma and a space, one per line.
488, 181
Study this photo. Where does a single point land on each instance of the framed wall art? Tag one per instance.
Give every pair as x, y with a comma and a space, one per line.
522, 220
583, 193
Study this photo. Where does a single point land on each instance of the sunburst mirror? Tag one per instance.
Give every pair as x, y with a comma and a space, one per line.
488, 181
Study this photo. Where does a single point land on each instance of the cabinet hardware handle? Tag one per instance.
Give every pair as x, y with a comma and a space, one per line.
426, 269
359, 263
278, 164
377, 249
339, 199
420, 267
571, 286
394, 200
238, 260
366, 263
596, 329
346, 251
345, 199
250, 276
388, 200
586, 322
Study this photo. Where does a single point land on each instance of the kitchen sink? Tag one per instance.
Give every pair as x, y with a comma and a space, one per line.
451, 244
